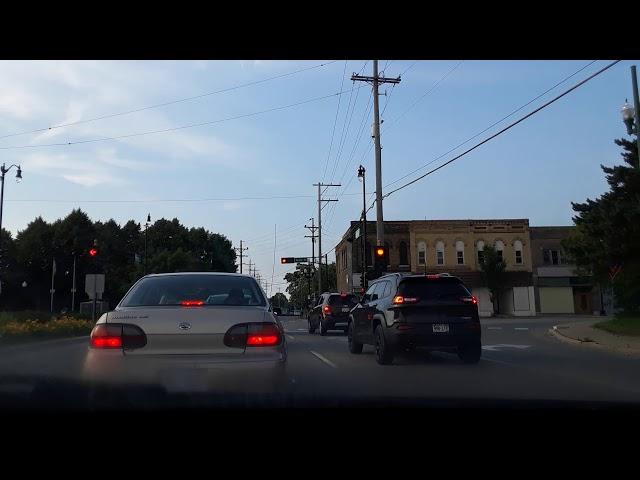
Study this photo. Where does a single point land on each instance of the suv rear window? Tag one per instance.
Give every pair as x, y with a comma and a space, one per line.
428, 289
211, 289
347, 301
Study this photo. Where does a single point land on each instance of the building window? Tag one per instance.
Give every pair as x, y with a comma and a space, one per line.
480, 247
440, 253
517, 245
551, 257
404, 255
460, 252
499, 246
422, 253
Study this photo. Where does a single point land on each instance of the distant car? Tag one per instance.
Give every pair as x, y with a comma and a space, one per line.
404, 311
190, 329
331, 312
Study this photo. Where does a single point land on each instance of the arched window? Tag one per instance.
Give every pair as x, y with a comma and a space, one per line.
440, 253
480, 249
404, 254
460, 252
517, 246
422, 253
499, 246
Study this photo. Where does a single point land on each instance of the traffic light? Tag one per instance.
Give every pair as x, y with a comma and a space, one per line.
287, 260
380, 258
93, 252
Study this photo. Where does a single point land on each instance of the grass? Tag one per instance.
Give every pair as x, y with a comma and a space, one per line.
622, 325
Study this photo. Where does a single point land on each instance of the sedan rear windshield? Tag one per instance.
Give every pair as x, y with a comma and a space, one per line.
339, 300
228, 290
428, 289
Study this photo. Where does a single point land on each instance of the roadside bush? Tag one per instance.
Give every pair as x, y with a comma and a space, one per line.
56, 327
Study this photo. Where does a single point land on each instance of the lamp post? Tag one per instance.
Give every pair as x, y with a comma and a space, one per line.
3, 171
630, 115
362, 178
146, 225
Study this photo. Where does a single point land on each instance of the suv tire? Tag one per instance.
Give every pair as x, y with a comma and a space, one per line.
470, 353
354, 347
322, 327
384, 352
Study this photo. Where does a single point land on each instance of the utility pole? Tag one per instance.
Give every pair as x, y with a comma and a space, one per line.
636, 103
362, 175
73, 289
313, 237
376, 81
319, 227
241, 250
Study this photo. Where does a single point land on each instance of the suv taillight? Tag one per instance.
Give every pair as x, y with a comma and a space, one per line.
401, 300
472, 299
253, 335
326, 309
117, 335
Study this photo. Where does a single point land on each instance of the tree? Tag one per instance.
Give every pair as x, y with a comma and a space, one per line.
280, 300
607, 230
301, 285
493, 267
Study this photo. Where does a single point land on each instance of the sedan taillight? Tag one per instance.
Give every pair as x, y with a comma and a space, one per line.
253, 335
117, 335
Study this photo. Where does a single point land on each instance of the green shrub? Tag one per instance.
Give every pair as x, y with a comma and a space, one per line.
57, 327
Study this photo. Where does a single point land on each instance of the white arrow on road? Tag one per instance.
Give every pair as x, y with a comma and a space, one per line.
497, 347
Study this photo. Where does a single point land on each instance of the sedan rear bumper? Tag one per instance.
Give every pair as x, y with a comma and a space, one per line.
188, 373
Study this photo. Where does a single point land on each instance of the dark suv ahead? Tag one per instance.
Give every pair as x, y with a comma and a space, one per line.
404, 311
331, 312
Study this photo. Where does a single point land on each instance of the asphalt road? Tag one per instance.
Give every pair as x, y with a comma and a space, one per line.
520, 360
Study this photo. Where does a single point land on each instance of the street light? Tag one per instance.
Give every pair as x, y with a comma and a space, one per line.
3, 171
630, 113
146, 225
362, 178
628, 117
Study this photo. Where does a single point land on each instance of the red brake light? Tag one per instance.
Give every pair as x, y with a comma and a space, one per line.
400, 300
192, 303
106, 336
433, 276
473, 299
326, 309
343, 295
93, 252
263, 335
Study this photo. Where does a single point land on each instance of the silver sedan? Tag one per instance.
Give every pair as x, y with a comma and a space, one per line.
190, 332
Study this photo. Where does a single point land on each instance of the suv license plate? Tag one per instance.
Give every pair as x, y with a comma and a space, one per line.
345, 310
441, 328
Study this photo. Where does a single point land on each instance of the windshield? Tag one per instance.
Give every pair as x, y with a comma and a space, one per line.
180, 289
335, 229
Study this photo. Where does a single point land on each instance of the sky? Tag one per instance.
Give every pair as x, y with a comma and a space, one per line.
257, 144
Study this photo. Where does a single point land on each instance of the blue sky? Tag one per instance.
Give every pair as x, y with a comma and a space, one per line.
532, 171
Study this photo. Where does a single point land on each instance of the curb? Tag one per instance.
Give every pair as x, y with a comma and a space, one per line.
593, 344
41, 343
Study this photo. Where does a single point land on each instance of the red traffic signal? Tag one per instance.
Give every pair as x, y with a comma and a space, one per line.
287, 259
93, 252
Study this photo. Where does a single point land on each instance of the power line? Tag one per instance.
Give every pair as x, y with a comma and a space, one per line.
435, 85
410, 67
291, 105
172, 200
335, 121
164, 104
492, 125
566, 92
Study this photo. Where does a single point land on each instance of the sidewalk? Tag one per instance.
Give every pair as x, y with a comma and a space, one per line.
585, 334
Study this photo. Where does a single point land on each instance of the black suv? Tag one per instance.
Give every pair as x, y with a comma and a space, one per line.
331, 312
404, 311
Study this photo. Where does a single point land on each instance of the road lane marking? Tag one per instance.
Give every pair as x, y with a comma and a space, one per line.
290, 337
521, 328
497, 347
498, 361
323, 359
301, 330
494, 328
